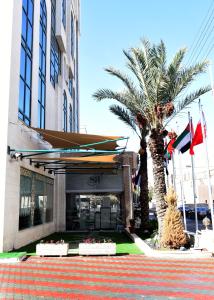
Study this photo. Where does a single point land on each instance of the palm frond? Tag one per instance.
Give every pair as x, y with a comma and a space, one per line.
102, 94
191, 98
132, 102
153, 84
176, 62
177, 81
128, 55
161, 50
125, 116
123, 77
184, 104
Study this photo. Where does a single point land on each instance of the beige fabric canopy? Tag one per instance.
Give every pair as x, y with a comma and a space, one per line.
108, 159
60, 139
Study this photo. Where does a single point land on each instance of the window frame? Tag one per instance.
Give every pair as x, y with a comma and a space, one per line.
70, 118
64, 13
72, 40
65, 113
25, 74
55, 54
42, 65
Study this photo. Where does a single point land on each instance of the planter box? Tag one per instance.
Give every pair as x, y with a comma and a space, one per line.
52, 249
205, 240
97, 249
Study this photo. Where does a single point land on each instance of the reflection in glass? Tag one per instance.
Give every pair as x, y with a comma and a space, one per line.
36, 199
92, 212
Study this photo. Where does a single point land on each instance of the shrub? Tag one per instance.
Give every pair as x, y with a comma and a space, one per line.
173, 230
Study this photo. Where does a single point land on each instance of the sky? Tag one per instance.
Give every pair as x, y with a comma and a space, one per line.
109, 26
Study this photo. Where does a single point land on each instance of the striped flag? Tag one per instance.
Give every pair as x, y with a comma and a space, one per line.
197, 138
183, 141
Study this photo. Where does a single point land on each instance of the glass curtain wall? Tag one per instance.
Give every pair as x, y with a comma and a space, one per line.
25, 80
36, 199
42, 64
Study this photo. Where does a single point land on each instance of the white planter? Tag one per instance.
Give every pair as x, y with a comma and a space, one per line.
52, 249
97, 249
205, 240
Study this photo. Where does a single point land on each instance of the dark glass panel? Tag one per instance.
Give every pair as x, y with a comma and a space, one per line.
28, 71
27, 102
42, 118
44, 42
39, 89
43, 93
22, 63
21, 117
30, 11
40, 34
43, 63
21, 94
29, 36
27, 122
24, 4
24, 26
39, 115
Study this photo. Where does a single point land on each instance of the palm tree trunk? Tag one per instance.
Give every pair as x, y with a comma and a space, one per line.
144, 199
156, 147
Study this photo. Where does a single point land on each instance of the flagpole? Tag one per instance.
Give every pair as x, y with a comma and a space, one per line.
193, 177
174, 172
182, 190
211, 79
207, 163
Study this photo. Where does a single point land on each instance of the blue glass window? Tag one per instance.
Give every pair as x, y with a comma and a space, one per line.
42, 65
65, 104
77, 79
64, 13
55, 55
70, 84
70, 118
26, 62
72, 35
74, 109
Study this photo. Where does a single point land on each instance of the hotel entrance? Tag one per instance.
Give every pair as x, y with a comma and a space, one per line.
93, 212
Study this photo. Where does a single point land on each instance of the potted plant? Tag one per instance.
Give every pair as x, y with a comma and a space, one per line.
91, 246
52, 248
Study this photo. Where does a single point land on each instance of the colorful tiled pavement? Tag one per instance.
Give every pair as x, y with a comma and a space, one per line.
118, 277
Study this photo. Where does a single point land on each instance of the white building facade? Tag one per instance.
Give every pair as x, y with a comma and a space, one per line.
39, 77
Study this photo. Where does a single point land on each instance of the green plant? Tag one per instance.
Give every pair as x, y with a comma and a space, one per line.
149, 100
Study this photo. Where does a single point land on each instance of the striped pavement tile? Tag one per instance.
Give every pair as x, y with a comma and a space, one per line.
107, 277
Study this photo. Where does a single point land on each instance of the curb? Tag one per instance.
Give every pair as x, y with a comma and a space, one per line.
148, 251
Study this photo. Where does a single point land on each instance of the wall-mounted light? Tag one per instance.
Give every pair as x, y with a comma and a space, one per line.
16, 155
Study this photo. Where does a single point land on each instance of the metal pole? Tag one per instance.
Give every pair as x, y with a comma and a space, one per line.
181, 186
207, 163
174, 172
193, 177
182, 192
211, 78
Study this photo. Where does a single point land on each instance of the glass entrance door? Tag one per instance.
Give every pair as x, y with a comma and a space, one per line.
92, 212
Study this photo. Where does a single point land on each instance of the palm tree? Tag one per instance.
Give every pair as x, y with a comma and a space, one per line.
131, 117
157, 95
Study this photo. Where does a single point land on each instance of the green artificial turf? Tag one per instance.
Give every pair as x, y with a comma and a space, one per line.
128, 248
124, 243
12, 254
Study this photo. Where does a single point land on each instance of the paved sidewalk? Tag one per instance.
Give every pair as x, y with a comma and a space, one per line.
117, 277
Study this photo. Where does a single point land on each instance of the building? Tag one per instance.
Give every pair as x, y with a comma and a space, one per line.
39, 76
43, 192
